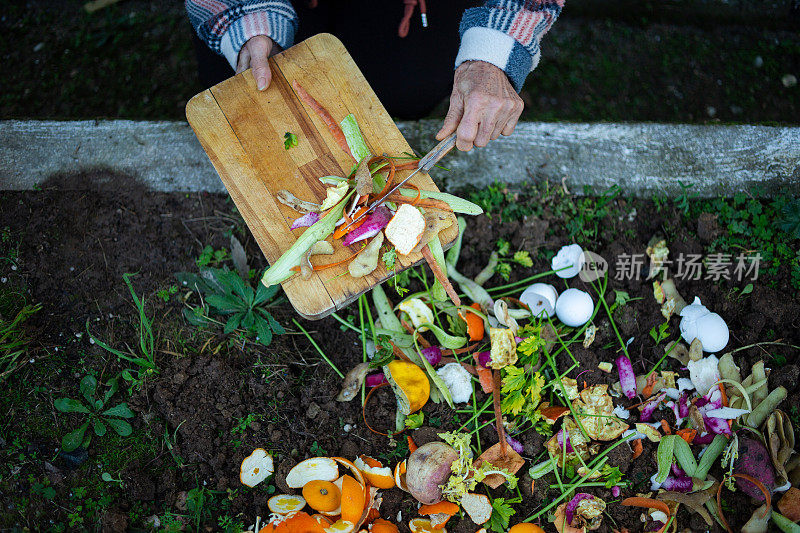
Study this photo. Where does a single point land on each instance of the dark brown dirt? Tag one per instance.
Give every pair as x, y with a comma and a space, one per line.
81, 233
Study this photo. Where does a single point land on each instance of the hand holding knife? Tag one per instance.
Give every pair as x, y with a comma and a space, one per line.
425, 164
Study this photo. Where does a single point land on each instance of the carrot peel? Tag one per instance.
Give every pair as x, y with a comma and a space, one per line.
333, 126
649, 503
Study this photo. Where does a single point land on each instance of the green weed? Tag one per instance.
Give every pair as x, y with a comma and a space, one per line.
756, 229
211, 257
230, 298
98, 415
144, 361
14, 340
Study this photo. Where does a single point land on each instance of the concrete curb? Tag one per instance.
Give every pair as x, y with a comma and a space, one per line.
643, 159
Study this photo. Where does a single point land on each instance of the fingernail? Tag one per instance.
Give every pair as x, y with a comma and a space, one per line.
262, 84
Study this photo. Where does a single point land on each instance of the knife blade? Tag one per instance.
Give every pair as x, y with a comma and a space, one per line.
424, 165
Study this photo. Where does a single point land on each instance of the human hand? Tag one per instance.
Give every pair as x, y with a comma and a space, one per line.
483, 105
254, 55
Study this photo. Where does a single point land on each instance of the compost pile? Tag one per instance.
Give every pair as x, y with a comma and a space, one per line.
711, 425
432, 347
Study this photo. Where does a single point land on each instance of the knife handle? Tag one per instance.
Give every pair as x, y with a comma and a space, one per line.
438, 152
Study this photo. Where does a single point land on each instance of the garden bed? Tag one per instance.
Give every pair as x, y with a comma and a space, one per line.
216, 397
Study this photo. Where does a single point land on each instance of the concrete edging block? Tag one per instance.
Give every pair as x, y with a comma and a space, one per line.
642, 158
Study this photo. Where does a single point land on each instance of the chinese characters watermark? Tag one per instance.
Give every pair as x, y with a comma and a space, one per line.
713, 267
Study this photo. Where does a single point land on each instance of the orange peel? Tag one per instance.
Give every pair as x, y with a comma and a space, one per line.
374, 472
313, 469
284, 504
525, 527
299, 522
400, 475
350, 465
354, 499
323, 520
322, 495
341, 526
410, 385
383, 526
423, 525
256, 467
444, 506
439, 513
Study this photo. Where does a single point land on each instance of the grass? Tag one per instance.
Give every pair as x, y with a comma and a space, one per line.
14, 340
144, 360
753, 226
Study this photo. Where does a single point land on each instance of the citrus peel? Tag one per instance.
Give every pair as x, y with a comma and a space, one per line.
256, 467
400, 475
374, 472
354, 499
283, 504
423, 525
340, 526
383, 526
410, 385
322, 495
313, 469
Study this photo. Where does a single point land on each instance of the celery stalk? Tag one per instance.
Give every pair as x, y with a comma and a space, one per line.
459, 205
437, 289
354, 138
282, 268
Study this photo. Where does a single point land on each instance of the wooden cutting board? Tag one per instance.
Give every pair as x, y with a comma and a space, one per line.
242, 131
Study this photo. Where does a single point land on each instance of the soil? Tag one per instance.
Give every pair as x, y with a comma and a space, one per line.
74, 240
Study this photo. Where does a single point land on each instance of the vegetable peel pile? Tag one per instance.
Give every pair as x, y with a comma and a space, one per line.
711, 426
409, 220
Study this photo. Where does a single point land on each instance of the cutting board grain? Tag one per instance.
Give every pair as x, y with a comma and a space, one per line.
242, 131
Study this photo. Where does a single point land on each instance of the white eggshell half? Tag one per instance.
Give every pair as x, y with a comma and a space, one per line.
574, 307
713, 332
568, 256
541, 299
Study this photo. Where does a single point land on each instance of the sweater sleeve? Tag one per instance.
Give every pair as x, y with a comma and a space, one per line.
225, 25
507, 34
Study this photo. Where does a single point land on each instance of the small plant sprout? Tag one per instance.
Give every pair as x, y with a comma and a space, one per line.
659, 333
230, 298
108, 478
289, 140
98, 415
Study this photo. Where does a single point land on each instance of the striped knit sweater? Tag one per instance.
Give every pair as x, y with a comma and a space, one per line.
505, 33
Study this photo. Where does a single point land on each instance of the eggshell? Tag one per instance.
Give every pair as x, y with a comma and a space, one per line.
698, 322
574, 307
541, 299
713, 332
568, 256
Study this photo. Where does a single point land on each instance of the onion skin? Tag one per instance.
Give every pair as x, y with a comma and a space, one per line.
428, 468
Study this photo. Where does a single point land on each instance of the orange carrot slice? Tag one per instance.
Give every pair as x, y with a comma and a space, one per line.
411, 444
475, 327
687, 434
427, 202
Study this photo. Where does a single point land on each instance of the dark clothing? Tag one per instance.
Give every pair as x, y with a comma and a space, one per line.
410, 75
